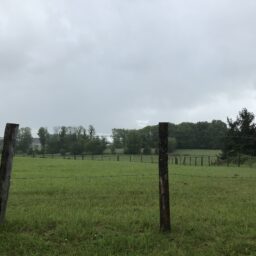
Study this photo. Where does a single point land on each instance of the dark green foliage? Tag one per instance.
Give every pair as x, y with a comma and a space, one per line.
201, 135
43, 137
171, 144
96, 145
240, 137
133, 144
24, 140
118, 136
146, 150
53, 145
73, 140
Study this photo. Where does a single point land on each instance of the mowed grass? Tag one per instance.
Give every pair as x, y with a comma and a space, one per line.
68, 207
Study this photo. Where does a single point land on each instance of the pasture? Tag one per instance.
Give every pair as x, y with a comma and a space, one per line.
85, 207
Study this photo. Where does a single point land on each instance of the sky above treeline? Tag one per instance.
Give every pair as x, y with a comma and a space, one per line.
125, 64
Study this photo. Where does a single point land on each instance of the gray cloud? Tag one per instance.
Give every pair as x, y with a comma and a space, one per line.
125, 63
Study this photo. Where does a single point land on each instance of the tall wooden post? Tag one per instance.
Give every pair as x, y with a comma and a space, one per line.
165, 223
10, 135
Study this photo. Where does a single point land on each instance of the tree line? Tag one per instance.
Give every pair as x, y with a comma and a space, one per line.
235, 137
200, 135
72, 140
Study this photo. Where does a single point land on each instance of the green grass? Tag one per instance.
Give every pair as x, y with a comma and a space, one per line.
198, 152
68, 207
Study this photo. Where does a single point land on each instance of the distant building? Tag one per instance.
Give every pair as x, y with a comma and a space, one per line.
36, 145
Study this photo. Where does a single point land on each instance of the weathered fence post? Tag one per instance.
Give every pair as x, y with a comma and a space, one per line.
10, 134
165, 223
184, 160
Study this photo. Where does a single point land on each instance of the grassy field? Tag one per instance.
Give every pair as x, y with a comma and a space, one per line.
68, 207
198, 152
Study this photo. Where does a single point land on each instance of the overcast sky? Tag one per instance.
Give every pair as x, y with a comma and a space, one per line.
125, 63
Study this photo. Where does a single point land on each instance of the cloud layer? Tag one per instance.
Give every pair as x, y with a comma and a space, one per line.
126, 63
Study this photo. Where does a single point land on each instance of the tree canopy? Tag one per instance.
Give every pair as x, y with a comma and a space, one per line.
241, 135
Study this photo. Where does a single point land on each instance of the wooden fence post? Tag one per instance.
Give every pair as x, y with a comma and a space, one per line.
184, 160
176, 160
165, 223
10, 135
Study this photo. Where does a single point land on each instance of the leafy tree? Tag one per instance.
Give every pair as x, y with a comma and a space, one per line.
96, 145
43, 137
133, 144
240, 137
119, 138
53, 144
171, 144
63, 140
91, 131
24, 139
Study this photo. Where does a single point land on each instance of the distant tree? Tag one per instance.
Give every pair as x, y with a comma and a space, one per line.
96, 145
63, 140
53, 144
216, 133
24, 140
133, 144
119, 138
43, 137
146, 149
171, 144
91, 131
241, 135
185, 135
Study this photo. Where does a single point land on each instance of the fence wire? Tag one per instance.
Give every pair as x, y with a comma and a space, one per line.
234, 177
173, 159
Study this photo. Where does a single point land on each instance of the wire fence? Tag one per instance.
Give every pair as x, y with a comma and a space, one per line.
173, 159
233, 177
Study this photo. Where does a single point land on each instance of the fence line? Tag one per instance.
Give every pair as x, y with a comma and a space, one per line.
234, 177
174, 159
